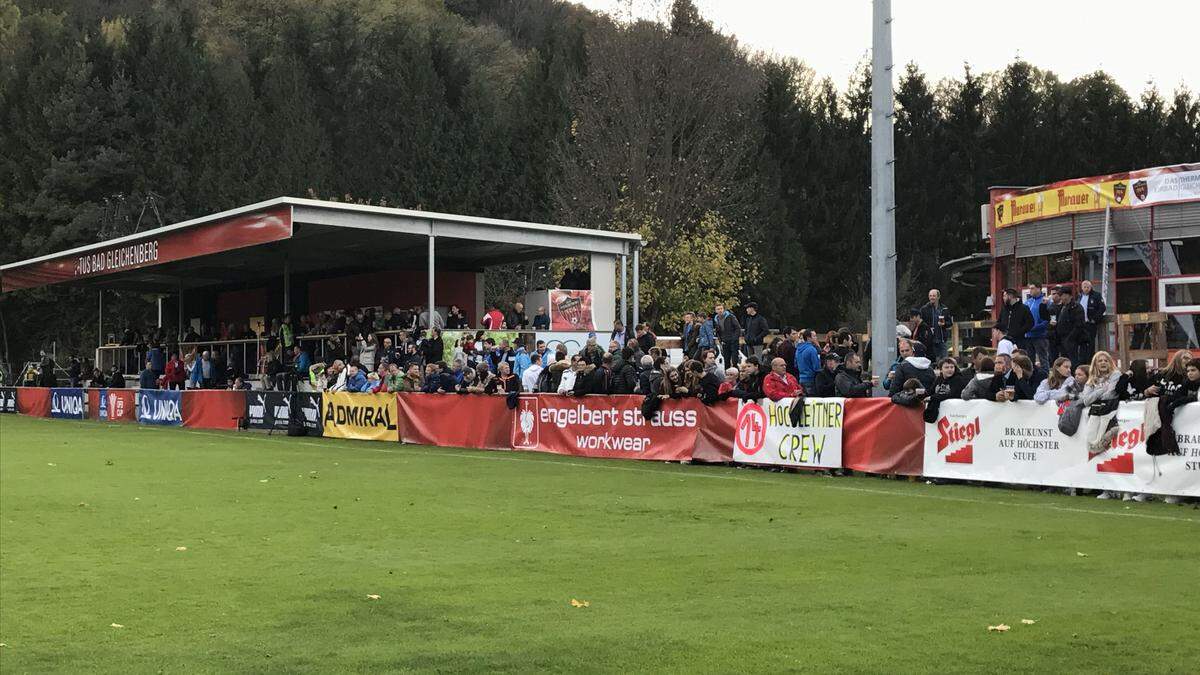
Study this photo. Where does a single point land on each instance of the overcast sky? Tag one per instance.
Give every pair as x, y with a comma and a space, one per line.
1135, 42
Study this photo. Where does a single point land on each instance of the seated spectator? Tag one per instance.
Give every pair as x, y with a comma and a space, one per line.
705, 385
911, 366
483, 377
516, 319
356, 381
779, 383
824, 382
979, 387
504, 382
148, 379
541, 320
1036, 375
1058, 384
239, 384
911, 394
468, 385
849, 383
948, 384
529, 379
1011, 381
413, 382
731, 380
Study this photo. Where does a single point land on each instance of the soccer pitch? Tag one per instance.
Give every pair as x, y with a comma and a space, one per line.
126, 548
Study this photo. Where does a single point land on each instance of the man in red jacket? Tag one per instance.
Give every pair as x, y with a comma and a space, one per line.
779, 383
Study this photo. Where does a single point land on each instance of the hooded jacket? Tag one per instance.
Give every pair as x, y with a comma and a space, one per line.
520, 362
824, 384
1041, 317
978, 387
808, 362
913, 366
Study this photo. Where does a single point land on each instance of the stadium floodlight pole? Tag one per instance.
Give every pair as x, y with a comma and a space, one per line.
430, 307
624, 293
160, 299
883, 194
637, 317
287, 285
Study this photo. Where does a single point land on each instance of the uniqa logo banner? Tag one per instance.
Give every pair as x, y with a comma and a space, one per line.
66, 403
158, 406
367, 417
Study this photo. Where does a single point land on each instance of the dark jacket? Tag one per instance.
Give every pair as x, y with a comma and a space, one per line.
944, 389
541, 322
929, 317
625, 379
647, 341
147, 380
728, 328
913, 366
849, 384
1096, 310
824, 383
709, 385
910, 399
1016, 319
786, 350
1069, 329
756, 329
1022, 386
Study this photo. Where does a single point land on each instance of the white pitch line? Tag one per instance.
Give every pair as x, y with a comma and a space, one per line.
692, 474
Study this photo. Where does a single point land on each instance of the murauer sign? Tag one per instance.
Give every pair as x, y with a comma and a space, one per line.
764, 433
608, 426
367, 417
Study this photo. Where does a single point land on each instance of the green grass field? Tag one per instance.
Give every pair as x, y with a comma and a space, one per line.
476, 556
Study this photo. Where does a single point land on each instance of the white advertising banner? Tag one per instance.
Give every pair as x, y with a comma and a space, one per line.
764, 433
1020, 443
1165, 187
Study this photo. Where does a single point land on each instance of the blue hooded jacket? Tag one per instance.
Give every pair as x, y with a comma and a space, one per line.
808, 363
357, 382
1039, 324
522, 362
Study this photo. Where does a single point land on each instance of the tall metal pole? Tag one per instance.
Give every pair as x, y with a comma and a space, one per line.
883, 194
160, 299
100, 320
637, 317
431, 268
624, 293
287, 285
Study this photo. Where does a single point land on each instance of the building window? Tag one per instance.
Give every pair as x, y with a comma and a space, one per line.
1183, 331
1180, 256
1035, 270
1135, 296
1090, 265
1136, 261
1061, 269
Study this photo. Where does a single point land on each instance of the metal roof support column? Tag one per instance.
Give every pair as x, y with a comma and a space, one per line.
430, 308
287, 286
637, 263
624, 292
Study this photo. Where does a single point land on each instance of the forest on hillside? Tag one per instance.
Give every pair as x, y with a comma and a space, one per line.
747, 175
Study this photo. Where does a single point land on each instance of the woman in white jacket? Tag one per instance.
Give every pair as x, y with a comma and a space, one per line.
1101, 386
1057, 385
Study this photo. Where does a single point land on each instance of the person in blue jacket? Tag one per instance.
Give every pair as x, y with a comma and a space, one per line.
521, 361
355, 380
808, 359
1039, 307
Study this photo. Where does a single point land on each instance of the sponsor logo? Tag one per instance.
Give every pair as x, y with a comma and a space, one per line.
1000, 212
115, 405
359, 415
256, 409
1023, 209
525, 423
66, 405
1119, 192
152, 409
956, 434
8, 401
1141, 189
1072, 199
751, 429
1123, 444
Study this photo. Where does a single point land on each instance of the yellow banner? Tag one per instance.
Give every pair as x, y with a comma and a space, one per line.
1061, 200
364, 417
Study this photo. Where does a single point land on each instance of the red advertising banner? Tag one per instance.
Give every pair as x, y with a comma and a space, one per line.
606, 426
33, 401
571, 310
451, 420
114, 405
186, 242
212, 408
879, 436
